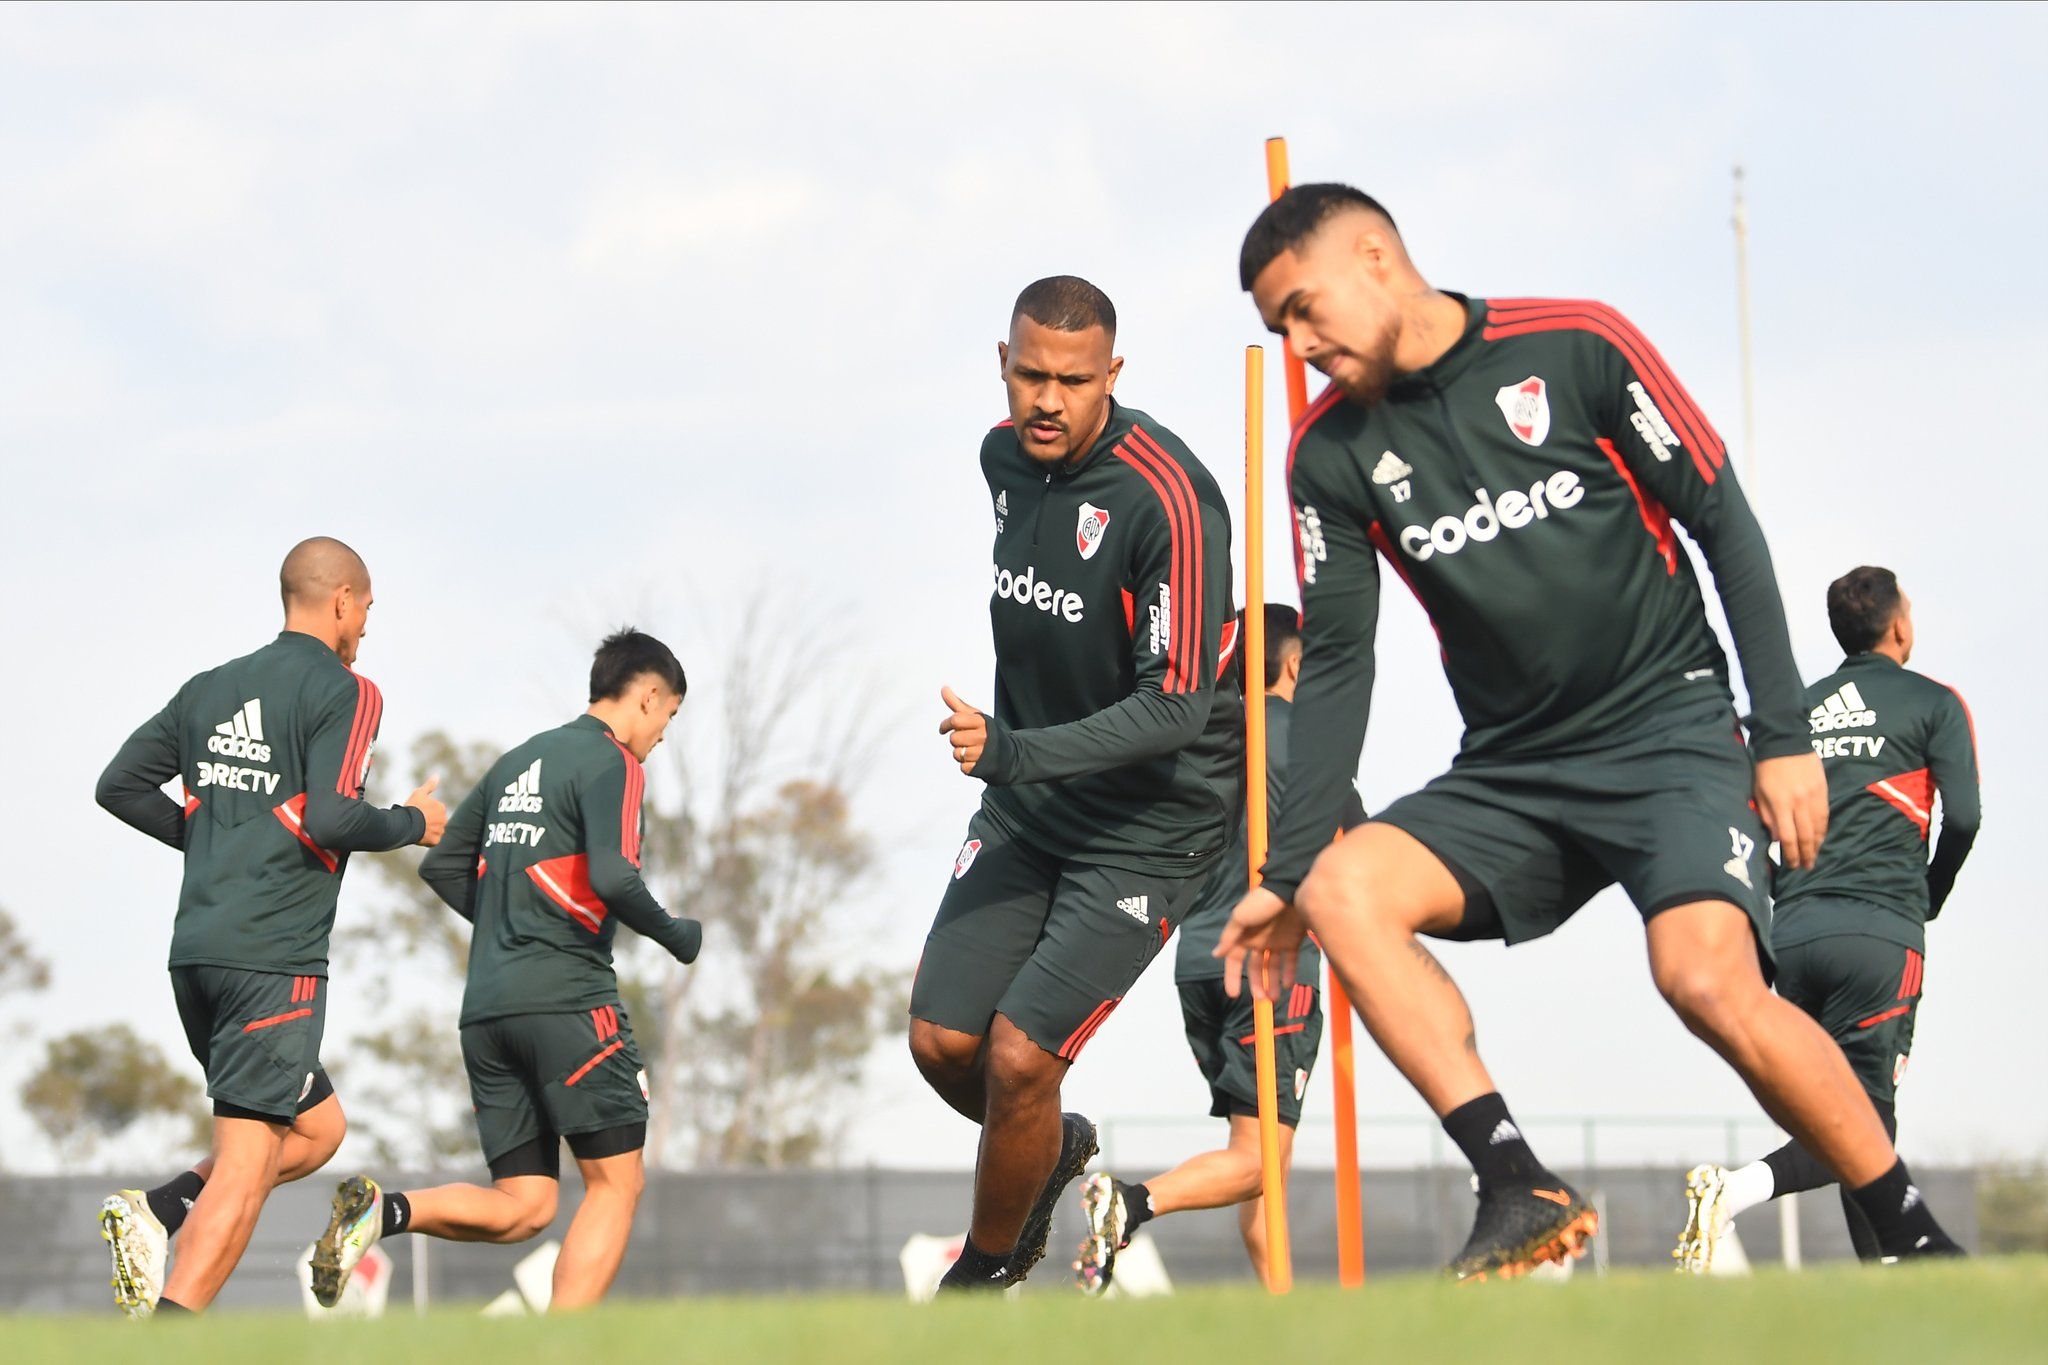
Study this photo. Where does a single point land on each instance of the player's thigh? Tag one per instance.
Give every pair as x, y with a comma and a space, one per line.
263, 1058
1867, 993
497, 1058
989, 923
1105, 927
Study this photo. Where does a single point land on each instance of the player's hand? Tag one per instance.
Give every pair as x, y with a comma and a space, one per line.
1792, 798
426, 803
966, 729
1264, 934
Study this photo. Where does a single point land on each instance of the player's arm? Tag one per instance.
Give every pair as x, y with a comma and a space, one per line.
337, 767
451, 868
1175, 669
611, 832
1952, 761
131, 789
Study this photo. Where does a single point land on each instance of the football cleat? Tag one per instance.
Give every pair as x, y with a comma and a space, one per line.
1077, 1149
1523, 1225
1707, 1219
1102, 1206
139, 1247
357, 1225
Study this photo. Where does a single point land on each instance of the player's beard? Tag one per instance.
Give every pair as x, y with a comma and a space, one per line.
1370, 372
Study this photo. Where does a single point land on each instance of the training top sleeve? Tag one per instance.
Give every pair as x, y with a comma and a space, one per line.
1952, 762
131, 789
1179, 582
453, 866
1664, 446
337, 767
1340, 598
611, 834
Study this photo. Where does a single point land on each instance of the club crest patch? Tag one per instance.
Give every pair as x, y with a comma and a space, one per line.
1088, 535
1527, 407
968, 852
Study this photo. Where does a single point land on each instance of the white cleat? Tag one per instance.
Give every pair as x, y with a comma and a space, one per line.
357, 1225
1707, 1219
139, 1247
1102, 1204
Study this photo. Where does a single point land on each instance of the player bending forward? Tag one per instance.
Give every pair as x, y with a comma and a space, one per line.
543, 858
1851, 933
1519, 462
1111, 771
1220, 1032
273, 749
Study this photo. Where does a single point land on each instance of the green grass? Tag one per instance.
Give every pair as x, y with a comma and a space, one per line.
1984, 1310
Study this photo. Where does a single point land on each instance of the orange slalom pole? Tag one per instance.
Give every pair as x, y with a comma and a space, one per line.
1273, 1181
1343, 1060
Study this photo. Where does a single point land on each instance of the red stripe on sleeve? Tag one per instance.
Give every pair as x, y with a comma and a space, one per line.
629, 804
369, 715
1136, 460
1968, 719
1190, 614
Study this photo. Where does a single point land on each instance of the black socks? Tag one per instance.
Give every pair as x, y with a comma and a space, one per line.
1900, 1217
1137, 1207
173, 1199
1491, 1142
1794, 1169
976, 1269
397, 1214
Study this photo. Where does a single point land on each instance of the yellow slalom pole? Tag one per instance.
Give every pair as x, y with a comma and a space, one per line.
1273, 1181
1343, 1060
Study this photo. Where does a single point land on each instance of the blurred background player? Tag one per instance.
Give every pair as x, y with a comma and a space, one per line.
543, 859
1112, 773
1520, 463
1220, 1030
1851, 931
274, 750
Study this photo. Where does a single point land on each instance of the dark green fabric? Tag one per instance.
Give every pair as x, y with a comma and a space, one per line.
1111, 739
544, 859
255, 1034
1220, 1032
274, 750
1890, 739
1051, 945
1664, 811
1568, 612
1865, 991
548, 1076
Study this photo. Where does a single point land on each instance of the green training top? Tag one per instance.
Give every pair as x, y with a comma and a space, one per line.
1225, 885
1109, 742
1892, 740
543, 858
273, 749
1525, 487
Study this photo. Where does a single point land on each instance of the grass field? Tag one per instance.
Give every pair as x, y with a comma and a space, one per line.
1986, 1310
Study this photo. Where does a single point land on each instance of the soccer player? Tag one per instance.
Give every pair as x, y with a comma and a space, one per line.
543, 859
1111, 769
1851, 931
1220, 1031
1520, 464
273, 749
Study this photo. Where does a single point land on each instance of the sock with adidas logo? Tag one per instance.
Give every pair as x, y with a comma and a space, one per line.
173, 1199
1899, 1216
1491, 1141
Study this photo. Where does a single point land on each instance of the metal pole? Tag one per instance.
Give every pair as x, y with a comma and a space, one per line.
1749, 475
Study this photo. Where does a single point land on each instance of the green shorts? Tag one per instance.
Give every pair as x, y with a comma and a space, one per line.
257, 1035
536, 1079
1052, 946
1665, 811
1222, 1037
1865, 991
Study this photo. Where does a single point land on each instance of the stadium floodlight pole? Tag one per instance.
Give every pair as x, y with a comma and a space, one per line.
1273, 1184
1343, 1060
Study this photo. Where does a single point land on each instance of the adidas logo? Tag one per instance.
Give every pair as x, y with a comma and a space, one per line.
1844, 709
1391, 468
1504, 1131
523, 792
1912, 1198
1137, 907
1003, 503
241, 736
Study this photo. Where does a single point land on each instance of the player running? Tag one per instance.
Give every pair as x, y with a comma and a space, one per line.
543, 858
1220, 1031
1520, 464
273, 749
1850, 932
1112, 770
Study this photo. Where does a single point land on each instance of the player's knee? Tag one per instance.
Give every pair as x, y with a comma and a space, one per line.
1703, 997
1334, 891
941, 1053
1019, 1067
536, 1212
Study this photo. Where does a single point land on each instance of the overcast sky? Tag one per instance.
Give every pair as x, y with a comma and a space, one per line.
565, 315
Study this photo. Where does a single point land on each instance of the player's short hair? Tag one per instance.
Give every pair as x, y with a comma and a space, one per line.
315, 567
1862, 604
626, 654
1066, 303
1283, 637
1292, 219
